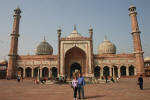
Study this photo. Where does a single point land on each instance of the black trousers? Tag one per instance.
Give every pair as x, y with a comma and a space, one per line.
75, 92
141, 86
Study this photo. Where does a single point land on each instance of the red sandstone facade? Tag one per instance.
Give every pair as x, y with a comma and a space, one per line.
75, 52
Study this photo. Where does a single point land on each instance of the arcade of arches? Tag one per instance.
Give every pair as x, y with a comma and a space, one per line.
30, 72
114, 71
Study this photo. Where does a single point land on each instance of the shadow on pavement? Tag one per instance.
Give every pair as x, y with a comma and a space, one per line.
96, 96
146, 89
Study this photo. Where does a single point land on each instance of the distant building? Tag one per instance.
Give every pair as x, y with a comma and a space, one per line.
147, 66
75, 52
3, 68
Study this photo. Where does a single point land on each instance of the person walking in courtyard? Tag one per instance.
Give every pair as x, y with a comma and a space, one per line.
117, 80
112, 79
81, 84
18, 78
106, 78
140, 82
75, 87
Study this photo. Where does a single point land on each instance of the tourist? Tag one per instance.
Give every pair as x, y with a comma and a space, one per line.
59, 79
112, 79
117, 79
75, 87
21, 78
81, 84
106, 79
140, 82
18, 78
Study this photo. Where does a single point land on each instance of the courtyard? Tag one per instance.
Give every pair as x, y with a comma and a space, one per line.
126, 89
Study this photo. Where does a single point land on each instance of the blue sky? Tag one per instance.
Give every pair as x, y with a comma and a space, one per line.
43, 17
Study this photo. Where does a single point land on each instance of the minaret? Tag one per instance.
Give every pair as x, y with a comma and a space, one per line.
136, 40
13, 53
59, 36
91, 44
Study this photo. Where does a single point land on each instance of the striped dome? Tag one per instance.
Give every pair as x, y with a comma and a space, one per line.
44, 48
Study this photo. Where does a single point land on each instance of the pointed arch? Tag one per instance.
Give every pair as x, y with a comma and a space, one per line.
36, 70
106, 71
123, 70
28, 71
72, 56
97, 71
45, 72
131, 70
54, 72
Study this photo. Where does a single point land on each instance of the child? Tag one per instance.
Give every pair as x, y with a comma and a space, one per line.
75, 87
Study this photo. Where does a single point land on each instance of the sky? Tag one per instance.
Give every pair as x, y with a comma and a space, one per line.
43, 17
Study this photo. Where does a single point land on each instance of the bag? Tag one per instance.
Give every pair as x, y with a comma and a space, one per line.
138, 83
71, 86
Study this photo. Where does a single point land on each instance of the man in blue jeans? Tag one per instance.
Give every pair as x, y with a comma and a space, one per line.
81, 83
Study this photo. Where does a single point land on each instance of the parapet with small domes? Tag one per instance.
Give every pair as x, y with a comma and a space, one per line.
17, 11
132, 10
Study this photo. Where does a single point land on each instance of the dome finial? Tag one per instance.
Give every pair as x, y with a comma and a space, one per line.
90, 26
90, 29
59, 31
74, 26
17, 10
105, 38
44, 39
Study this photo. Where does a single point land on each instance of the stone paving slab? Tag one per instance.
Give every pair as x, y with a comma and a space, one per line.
126, 89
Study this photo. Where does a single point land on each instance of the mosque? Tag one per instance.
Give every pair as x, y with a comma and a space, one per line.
75, 53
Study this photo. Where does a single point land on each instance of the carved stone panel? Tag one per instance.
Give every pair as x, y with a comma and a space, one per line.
46, 62
36, 62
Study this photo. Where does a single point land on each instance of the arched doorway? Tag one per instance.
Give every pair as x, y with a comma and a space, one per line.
131, 70
45, 72
106, 71
75, 67
20, 71
54, 72
123, 71
75, 56
36, 72
28, 72
97, 71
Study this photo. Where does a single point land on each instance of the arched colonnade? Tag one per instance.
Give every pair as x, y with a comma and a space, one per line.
114, 71
30, 72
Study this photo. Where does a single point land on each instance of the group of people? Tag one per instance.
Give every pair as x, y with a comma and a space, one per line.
111, 79
78, 84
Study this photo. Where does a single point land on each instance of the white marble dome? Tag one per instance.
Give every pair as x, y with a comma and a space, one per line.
106, 47
74, 34
147, 58
44, 48
4, 60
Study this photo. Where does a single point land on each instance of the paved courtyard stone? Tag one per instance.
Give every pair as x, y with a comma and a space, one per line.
126, 89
